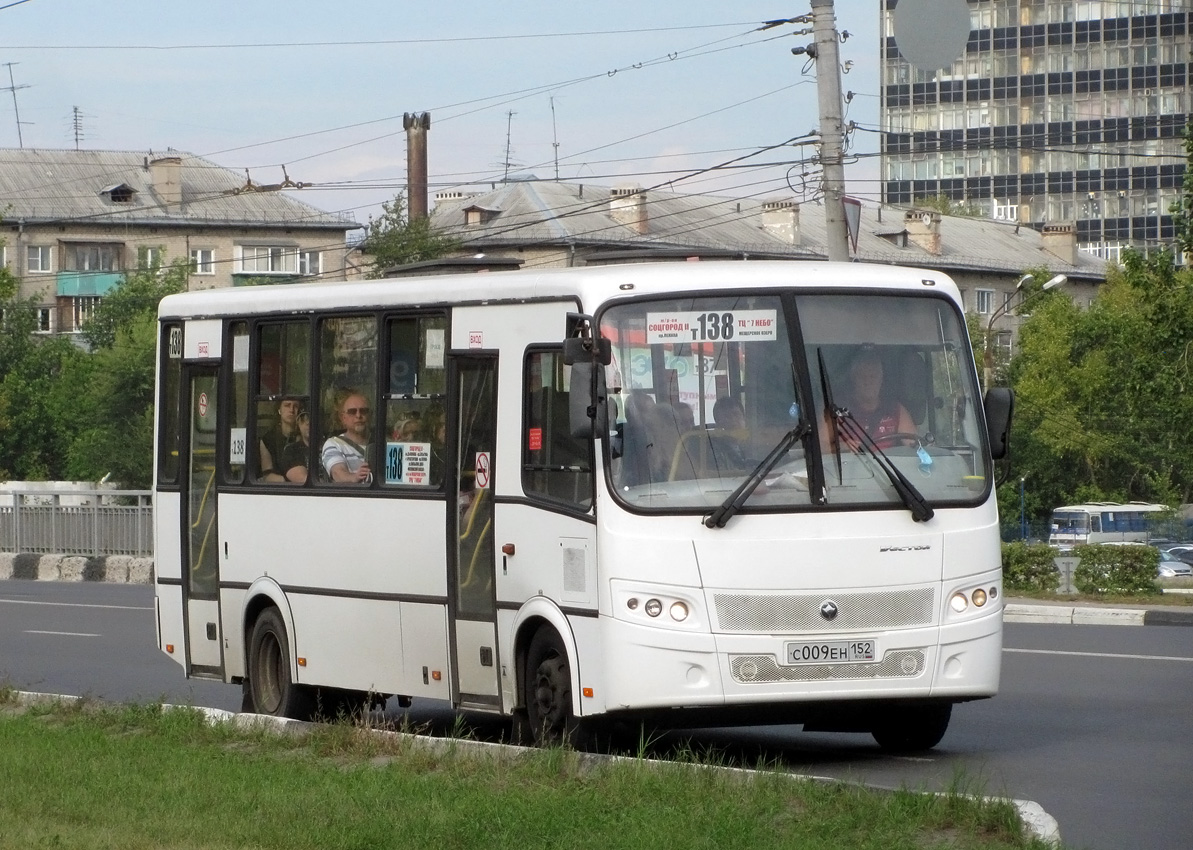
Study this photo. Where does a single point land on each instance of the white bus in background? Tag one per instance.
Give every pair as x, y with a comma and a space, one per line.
1104, 522
545, 531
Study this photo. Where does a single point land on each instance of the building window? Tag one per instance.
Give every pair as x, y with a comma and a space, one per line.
152, 258
267, 259
202, 261
92, 257
985, 301
82, 309
310, 262
45, 319
39, 258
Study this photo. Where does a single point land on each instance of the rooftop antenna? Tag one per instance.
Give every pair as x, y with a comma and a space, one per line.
76, 124
554, 139
509, 124
12, 87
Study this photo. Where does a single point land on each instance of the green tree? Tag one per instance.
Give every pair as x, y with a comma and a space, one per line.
944, 205
393, 240
1104, 394
1182, 208
113, 414
33, 369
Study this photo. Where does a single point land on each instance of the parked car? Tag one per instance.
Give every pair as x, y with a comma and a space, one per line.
1171, 568
1180, 552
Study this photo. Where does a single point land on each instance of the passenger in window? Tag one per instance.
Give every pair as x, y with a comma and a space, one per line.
406, 430
433, 430
296, 455
729, 418
345, 456
867, 400
274, 441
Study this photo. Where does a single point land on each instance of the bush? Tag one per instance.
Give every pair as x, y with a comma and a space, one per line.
1029, 566
1116, 569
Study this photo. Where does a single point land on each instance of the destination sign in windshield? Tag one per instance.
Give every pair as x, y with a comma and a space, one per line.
711, 326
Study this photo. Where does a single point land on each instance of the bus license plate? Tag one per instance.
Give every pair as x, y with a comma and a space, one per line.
830, 652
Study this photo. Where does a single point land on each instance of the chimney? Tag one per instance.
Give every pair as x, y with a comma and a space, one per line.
780, 218
165, 175
1060, 240
923, 229
627, 205
416, 125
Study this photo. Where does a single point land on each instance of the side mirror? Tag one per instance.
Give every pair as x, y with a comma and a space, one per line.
588, 405
998, 405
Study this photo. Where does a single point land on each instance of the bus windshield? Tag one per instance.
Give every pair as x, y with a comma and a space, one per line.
704, 388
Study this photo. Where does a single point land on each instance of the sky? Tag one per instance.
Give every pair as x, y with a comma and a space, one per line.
605, 93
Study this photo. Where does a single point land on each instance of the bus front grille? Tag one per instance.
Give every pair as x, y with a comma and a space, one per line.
802, 613
761, 669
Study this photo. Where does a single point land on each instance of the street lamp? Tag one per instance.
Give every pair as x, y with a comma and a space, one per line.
987, 343
1022, 511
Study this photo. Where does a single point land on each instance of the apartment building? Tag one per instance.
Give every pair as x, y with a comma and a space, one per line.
74, 222
1059, 111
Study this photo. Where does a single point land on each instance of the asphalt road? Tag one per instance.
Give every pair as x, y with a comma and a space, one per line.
1092, 722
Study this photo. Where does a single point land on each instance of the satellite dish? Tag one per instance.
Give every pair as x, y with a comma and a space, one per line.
926, 218
931, 34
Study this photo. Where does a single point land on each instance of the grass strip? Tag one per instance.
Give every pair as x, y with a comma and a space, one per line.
130, 777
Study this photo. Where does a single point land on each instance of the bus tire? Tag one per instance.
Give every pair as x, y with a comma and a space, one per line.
268, 686
913, 728
547, 693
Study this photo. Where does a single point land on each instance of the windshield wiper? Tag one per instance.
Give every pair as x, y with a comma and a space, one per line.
738, 497
856, 433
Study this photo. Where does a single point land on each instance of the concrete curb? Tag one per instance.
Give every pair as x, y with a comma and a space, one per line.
114, 569
1095, 615
1033, 816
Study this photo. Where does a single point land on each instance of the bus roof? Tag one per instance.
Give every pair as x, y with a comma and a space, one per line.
590, 286
1099, 507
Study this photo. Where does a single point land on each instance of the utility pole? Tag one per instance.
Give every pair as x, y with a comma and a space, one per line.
832, 133
12, 87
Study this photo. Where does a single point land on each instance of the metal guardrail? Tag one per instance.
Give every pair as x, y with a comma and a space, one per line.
78, 522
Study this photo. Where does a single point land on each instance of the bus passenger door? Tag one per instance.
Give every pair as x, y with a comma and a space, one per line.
472, 608
200, 539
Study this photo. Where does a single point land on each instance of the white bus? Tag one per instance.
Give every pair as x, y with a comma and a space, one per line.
1104, 522
544, 518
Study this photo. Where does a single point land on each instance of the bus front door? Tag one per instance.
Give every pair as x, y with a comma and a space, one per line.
473, 607
200, 540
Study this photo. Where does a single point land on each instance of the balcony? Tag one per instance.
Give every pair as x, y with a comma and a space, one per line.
81, 284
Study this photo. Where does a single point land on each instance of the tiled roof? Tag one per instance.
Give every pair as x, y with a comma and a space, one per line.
70, 186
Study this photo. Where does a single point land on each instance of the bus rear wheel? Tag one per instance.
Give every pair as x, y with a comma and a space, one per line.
913, 728
547, 693
268, 686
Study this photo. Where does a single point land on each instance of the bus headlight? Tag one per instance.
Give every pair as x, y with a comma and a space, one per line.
958, 602
979, 598
679, 612
653, 607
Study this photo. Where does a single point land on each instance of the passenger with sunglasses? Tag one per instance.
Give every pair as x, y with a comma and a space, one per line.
346, 456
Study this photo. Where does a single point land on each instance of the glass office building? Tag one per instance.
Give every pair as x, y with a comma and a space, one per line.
1059, 111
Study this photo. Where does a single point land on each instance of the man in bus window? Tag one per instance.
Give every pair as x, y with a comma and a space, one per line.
346, 456
273, 442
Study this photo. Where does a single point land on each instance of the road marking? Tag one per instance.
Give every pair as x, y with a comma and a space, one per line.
78, 605
1100, 654
64, 634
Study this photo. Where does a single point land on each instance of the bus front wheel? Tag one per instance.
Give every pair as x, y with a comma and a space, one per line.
913, 728
269, 688
547, 692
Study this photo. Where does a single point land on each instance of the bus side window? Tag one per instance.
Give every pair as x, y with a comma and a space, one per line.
414, 447
555, 465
